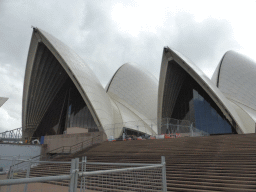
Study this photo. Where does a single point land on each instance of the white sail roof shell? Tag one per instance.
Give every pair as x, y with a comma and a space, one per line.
135, 92
235, 76
137, 87
80, 73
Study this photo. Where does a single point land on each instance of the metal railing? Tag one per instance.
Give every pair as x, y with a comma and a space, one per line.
90, 176
182, 127
148, 127
77, 147
135, 129
145, 126
60, 150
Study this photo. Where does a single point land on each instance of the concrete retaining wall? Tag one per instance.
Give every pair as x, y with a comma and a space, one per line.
56, 141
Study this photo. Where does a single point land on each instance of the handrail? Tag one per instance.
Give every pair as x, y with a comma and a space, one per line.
80, 174
77, 144
62, 149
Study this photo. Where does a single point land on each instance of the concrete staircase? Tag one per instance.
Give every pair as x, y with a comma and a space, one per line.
214, 163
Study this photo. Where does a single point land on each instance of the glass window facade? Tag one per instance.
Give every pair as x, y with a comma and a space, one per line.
192, 103
78, 114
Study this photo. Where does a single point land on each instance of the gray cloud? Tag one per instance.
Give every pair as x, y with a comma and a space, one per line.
206, 42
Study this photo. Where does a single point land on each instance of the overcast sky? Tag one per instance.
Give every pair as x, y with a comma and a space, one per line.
109, 33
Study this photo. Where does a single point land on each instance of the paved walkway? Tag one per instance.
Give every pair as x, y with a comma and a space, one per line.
36, 187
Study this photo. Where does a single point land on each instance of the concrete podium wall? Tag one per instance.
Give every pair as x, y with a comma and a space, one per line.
56, 141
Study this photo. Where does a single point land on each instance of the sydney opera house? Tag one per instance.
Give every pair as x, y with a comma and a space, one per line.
62, 94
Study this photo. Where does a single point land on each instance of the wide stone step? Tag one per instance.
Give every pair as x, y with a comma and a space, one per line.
196, 187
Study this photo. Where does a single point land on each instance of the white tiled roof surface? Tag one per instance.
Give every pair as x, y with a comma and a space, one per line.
237, 77
215, 74
133, 119
137, 87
